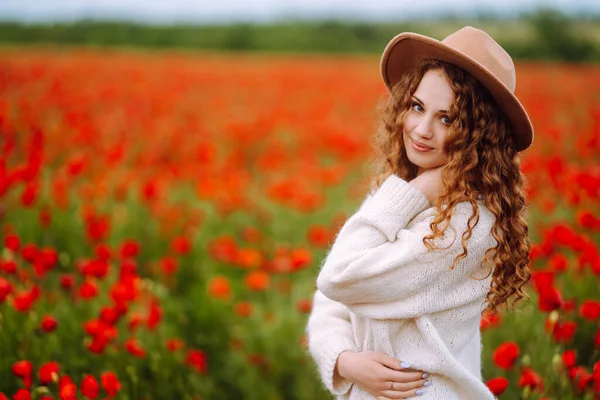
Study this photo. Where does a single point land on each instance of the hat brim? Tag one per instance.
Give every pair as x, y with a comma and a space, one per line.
405, 51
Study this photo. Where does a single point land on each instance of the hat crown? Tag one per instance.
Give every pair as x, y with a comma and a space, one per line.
480, 47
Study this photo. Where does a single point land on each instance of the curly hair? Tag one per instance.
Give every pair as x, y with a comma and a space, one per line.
481, 160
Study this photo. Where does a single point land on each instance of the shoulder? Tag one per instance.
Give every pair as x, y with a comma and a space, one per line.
463, 219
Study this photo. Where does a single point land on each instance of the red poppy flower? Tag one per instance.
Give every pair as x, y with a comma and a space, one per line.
581, 377
22, 394
103, 252
590, 309
129, 249
588, 220
29, 194
66, 388
489, 320
9, 266
24, 300
5, 289
98, 344
564, 332
88, 289
12, 242
304, 306
249, 258
110, 383
174, 344
197, 360
497, 385
133, 346
223, 249
48, 373
29, 252
529, 378
48, 323
506, 355
549, 299
150, 190
564, 235
97, 227
257, 280
569, 358
67, 281
23, 369
301, 258
90, 387
97, 268
181, 245
558, 262
243, 309
542, 279
154, 315
110, 315
219, 288
169, 265
596, 376
536, 251
319, 236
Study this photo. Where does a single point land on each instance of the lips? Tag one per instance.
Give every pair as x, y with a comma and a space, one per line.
422, 145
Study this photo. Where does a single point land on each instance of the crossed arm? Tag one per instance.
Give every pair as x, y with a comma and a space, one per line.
380, 268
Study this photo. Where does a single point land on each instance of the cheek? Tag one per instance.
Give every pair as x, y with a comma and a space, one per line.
408, 122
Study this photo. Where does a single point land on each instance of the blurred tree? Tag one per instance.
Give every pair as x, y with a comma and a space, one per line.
555, 38
240, 37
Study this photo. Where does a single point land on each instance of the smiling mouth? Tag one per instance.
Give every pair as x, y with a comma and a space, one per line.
421, 145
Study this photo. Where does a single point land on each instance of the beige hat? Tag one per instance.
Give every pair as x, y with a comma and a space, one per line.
474, 51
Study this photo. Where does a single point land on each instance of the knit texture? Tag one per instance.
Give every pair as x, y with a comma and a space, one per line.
379, 289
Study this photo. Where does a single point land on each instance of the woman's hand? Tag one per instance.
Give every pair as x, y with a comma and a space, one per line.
374, 372
430, 183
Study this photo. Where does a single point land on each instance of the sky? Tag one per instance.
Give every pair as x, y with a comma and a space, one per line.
265, 11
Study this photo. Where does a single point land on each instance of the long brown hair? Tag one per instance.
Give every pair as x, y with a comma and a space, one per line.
481, 160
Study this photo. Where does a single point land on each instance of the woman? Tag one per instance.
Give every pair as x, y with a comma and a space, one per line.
440, 240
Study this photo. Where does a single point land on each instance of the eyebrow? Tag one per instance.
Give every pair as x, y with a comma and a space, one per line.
419, 100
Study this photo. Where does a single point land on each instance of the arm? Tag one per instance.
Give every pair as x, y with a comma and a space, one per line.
329, 333
379, 267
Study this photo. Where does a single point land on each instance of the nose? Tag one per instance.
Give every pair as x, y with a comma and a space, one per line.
423, 128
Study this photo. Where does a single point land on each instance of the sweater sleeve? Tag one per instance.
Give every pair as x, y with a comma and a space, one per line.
379, 268
329, 333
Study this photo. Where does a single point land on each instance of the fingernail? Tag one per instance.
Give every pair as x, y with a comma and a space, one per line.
428, 383
404, 364
420, 392
425, 375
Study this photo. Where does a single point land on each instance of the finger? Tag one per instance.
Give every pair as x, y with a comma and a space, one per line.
388, 394
389, 361
411, 393
400, 376
407, 386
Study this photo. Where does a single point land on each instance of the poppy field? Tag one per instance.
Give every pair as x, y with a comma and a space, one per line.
163, 217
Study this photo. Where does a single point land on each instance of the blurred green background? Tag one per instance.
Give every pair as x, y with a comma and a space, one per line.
545, 34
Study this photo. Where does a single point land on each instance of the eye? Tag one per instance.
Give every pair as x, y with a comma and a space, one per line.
416, 104
449, 121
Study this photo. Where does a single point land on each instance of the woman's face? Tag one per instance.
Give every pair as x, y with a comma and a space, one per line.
427, 121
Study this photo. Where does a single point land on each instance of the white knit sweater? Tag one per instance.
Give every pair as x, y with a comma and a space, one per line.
379, 290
